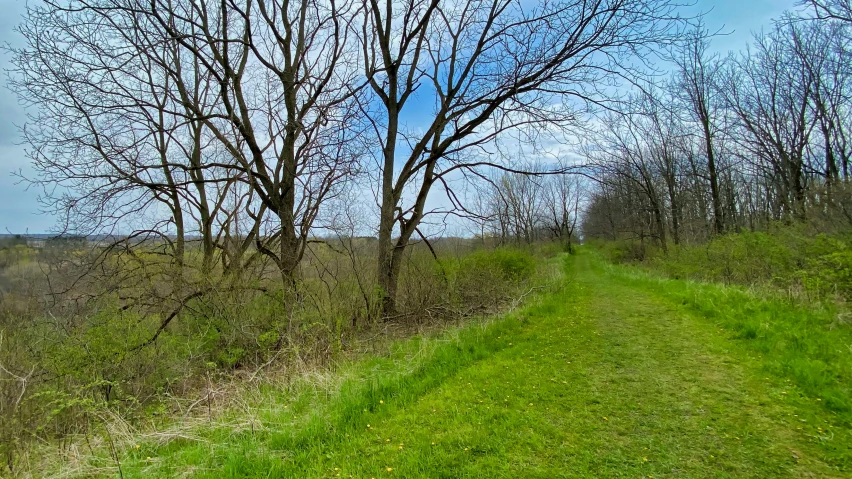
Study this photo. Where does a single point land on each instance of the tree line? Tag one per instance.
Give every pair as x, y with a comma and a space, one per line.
732, 142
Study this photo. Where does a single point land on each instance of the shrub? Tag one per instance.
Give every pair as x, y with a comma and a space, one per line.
785, 258
502, 263
625, 251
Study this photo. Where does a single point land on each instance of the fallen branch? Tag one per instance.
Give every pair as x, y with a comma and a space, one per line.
517, 302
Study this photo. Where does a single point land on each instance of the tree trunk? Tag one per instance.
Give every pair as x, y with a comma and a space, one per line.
288, 254
718, 219
675, 208
388, 272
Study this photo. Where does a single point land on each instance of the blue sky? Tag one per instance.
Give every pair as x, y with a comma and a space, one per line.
19, 210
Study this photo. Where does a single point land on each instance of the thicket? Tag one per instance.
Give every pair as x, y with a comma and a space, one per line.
68, 370
795, 260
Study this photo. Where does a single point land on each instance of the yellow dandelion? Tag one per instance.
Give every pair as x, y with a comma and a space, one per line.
390, 469
381, 402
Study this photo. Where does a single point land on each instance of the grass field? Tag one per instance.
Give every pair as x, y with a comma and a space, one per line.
610, 373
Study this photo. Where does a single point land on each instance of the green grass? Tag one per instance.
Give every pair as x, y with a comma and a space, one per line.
809, 345
612, 373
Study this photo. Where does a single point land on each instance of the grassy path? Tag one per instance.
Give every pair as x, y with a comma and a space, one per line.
598, 379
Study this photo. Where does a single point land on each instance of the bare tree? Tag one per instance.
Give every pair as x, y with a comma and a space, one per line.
284, 110
524, 208
521, 206
831, 9
563, 196
493, 68
769, 92
623, 154
694, 86
823, 54
212, 97
736, 143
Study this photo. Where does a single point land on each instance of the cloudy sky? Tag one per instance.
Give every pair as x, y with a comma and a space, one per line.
19, 209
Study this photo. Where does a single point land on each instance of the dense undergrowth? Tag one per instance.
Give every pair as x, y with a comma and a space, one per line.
69, 379
813, 267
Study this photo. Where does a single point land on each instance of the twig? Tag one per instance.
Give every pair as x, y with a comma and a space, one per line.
21, 379
271, 360
206, 397
516, 302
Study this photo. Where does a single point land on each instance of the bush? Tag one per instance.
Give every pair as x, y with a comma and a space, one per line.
625, 251
786, 258
502, 263
486, 279
829, 274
